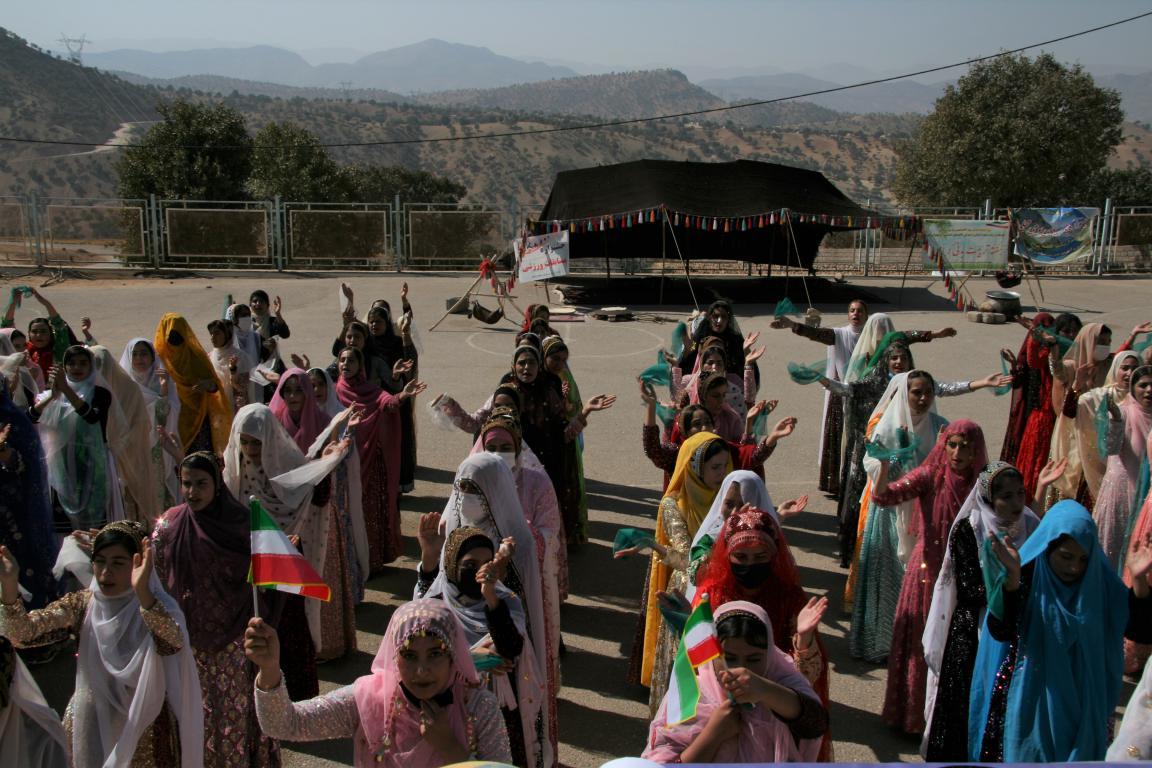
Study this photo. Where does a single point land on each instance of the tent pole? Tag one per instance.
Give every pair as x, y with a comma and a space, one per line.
663, 252
907, 263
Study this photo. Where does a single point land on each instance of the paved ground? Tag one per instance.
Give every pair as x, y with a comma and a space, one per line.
600, 715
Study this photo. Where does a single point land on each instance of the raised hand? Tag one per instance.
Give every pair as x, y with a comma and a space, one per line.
141, 573
413, 388
301, 361
1052, 471
1139, 561
754, 355
1142, 328
647, 393
162, 377
600, 403
431, 540
944, 333
1005, 550
743, 686
783, 428
402, 367
403, 292
810, 615
1009, 356
792, 507
782, 323
669, 357
277, 305
1084, 377
750, 339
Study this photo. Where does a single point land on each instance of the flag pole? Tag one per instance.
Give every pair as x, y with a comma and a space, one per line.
255, 602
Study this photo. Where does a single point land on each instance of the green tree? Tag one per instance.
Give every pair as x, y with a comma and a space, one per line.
1127, 187
197, 152
381, 184
288, 160
1020, 131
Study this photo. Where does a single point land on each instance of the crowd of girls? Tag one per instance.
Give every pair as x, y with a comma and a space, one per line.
1006, 599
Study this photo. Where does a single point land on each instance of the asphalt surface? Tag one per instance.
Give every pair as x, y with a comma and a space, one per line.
601, 716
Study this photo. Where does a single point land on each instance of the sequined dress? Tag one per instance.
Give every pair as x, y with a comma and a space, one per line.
948, 731
159, 745
334, 716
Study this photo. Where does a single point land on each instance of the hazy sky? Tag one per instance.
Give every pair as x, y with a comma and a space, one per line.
878, 35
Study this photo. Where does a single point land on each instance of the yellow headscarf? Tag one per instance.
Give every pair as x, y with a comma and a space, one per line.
188, 364
693, 499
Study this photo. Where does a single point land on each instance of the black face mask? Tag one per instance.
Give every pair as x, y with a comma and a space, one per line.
751, 575
175, 338
467, 583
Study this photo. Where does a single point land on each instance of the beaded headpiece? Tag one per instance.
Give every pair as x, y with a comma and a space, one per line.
460, 542
423, 618
747, 528
989, 475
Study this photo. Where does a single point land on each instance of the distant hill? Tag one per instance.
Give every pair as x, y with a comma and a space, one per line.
1135, 90
227, 85
899, 97
262, 63
432, 65
616, 95
42, 96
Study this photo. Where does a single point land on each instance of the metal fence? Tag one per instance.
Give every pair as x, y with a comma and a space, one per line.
398, 235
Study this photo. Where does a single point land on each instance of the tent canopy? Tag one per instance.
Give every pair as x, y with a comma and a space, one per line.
723, 191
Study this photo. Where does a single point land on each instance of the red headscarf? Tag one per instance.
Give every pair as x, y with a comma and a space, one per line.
780, 595
311, 421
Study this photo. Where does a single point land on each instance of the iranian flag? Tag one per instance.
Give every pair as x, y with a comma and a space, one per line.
698, 645
278, 564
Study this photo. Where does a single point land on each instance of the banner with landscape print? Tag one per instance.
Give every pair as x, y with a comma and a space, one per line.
966, 244
1054, 235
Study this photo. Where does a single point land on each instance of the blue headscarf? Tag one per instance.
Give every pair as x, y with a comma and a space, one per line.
1071, 657
26, 515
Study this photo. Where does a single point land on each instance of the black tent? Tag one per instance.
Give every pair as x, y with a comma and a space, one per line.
750, 211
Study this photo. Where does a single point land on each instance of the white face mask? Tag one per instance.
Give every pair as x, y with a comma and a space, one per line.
472, 509
1101, 352
509, 458
244, 324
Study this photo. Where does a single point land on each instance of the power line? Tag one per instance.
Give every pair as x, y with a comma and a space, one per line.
628, 121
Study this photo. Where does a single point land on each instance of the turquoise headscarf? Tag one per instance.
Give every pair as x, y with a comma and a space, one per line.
1071, 656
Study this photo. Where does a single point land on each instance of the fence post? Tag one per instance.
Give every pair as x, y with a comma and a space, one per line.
1105, 236
34, 230
397, 233
987, 208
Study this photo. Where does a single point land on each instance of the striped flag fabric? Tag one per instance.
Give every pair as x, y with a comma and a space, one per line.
698, 645
278, 564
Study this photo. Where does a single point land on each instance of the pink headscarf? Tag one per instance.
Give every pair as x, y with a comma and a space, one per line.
763, 738
386, 714
312, 420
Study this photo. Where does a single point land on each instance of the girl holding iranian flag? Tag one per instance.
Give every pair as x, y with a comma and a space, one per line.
754, 705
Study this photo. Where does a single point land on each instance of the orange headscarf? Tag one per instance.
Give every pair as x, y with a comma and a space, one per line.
694, 500
188, 364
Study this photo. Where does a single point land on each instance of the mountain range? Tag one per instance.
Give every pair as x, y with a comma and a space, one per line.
431, 65
439, 72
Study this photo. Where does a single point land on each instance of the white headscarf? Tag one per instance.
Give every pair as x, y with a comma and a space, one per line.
16, 365
1092, 464
122, 682
149, 385
30, 730
897, 423
131, 439
752, 490
498, 513
63, 432
875, 329
332, 404
287, 497
980, 513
